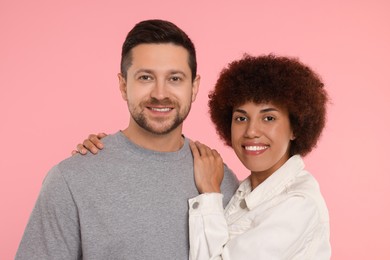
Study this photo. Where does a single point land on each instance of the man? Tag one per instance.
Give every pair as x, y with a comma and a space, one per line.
130, 200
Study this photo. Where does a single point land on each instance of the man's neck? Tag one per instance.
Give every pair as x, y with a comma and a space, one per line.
169, 142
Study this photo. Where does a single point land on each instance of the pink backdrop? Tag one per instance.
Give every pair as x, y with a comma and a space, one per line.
58, 65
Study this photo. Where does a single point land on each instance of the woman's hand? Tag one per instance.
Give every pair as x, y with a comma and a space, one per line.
92, 144
208, 168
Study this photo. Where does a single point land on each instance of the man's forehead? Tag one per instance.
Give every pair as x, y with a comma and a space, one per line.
156, 57
163, 48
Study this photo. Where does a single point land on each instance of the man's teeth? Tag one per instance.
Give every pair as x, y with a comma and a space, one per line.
255, 148
165, 109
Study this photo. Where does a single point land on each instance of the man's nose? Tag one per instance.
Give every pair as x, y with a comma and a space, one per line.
159, 90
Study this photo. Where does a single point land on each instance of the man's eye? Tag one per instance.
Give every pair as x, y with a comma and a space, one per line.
145, 77
175, 78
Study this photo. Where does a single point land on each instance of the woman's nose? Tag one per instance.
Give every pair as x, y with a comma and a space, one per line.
253, 130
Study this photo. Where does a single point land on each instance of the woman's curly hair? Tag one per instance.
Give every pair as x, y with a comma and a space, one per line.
281, 80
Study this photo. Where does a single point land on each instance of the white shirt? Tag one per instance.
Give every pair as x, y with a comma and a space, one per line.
285, 217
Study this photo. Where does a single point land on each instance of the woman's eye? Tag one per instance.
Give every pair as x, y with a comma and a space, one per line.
269, 118
241, 118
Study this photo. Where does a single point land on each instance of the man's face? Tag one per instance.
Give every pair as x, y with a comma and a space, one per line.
158, 89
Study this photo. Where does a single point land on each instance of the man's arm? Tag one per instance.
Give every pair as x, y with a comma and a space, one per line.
53, 230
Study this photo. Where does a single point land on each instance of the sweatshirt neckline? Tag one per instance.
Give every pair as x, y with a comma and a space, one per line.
142, 152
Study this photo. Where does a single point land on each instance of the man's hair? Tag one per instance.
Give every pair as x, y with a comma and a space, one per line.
157, 31
286, 82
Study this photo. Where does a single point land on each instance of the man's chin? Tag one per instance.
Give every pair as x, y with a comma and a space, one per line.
160, 130
159, 126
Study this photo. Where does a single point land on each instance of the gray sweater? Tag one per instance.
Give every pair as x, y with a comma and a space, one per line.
124, 203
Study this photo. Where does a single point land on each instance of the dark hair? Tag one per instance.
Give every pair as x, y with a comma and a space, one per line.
281, 80
157, 31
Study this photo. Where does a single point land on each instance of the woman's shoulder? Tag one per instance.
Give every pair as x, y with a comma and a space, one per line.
306, 187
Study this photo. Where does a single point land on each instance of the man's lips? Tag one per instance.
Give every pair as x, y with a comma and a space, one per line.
160, 106
161, 109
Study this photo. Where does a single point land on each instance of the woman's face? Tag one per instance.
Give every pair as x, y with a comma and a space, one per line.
261, 135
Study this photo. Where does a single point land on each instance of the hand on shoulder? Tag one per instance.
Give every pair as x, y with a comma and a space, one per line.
208, 168
91, 144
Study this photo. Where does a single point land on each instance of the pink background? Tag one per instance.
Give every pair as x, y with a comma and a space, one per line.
58, 65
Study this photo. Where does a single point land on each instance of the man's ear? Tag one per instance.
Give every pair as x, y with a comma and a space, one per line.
195, 87
122, 86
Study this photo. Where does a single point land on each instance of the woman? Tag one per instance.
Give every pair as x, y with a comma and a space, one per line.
271, 111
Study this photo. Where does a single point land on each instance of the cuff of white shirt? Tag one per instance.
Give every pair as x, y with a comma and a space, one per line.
206, 203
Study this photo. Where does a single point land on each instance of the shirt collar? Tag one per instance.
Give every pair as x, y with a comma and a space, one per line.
274, 184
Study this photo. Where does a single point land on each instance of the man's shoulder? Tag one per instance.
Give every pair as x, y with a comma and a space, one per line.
78, 163
229, 184
229, 175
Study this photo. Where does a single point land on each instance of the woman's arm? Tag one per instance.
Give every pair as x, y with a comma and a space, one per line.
208, 168
91, 144
207, 224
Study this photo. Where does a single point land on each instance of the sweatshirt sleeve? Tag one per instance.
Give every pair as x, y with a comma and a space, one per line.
207, 226
52, 231
229, 185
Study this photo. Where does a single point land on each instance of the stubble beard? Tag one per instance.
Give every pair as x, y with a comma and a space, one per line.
165, 125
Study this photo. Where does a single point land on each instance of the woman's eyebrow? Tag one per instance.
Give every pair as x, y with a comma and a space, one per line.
239, 111
265, 110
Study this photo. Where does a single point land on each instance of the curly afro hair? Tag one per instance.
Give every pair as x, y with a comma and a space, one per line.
283, 81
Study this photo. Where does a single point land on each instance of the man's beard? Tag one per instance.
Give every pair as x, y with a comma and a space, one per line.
168, 126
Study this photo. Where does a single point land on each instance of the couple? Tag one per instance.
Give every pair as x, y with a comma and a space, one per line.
130, 201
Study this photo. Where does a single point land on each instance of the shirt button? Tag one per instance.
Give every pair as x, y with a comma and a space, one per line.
243, 204
195, 205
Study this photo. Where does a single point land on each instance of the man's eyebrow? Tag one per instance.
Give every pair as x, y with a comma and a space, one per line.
143, 71
178, 72
169, 72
